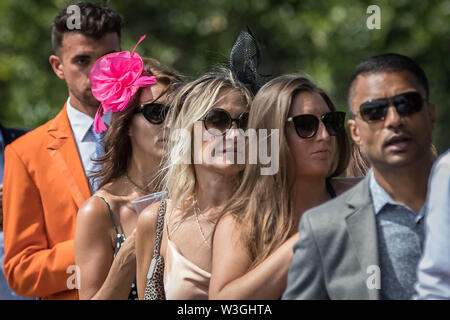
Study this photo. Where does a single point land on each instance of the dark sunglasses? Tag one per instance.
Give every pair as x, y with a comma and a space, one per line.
306, 125
406, 103
155, 113
221, 120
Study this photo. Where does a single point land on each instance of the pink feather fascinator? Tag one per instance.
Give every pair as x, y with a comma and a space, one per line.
115, 79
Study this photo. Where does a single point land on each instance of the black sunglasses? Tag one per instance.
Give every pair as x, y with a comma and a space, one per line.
306, 125
155, 113
406, 103
221, 120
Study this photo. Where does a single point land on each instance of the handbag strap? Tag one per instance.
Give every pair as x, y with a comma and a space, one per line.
159, 232
159, 227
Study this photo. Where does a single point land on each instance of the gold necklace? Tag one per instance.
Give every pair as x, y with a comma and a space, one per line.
143, 190
194, 204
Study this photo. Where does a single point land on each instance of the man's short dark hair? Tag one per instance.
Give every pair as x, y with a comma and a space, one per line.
388, 62
96, 20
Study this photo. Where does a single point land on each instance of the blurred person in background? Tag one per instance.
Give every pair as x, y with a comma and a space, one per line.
433, 278
7, 135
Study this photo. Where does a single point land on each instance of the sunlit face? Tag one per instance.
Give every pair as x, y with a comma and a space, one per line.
313, 156
76, 57
223, 150
398, 140
145, 136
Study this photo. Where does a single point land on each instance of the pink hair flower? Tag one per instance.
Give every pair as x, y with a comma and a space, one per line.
115, 79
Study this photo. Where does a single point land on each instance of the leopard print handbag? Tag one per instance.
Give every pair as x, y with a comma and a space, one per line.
154, 289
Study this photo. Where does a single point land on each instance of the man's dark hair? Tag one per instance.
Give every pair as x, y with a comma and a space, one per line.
388, 62
96, 20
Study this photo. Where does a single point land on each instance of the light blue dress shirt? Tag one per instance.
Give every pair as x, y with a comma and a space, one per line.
382, 200
433, 278
81, 125
400, 234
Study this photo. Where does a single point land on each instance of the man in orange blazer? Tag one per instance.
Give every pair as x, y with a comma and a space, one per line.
47, 170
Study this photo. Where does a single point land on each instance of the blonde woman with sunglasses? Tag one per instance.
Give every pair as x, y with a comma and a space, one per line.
199, 181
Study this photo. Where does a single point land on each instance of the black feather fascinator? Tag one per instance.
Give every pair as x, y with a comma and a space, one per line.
244, 61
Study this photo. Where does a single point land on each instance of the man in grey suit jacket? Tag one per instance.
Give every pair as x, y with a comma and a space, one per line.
366, 243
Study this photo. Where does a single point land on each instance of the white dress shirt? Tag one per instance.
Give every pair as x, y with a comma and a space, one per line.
81, 124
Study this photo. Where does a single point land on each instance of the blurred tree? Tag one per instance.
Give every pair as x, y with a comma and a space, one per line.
324, 39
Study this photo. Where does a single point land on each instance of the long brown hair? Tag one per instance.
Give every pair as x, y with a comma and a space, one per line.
263, 204
358, 165
116, 159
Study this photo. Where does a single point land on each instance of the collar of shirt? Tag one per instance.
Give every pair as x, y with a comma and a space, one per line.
81, 123
381, 198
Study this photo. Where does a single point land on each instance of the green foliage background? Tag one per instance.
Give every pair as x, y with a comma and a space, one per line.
324, 39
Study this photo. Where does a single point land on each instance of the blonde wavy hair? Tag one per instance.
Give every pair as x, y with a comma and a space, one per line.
263, 204
190, 104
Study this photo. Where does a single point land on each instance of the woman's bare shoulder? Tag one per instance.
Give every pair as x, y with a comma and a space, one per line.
149, 216
228, 226
227, 219
93, 224
94, 210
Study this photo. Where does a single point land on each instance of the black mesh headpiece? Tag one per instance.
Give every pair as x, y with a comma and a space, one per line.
244, 61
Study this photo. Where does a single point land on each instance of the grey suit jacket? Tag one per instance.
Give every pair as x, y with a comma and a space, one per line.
336, 250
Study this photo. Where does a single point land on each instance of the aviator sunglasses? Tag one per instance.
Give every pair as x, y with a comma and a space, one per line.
221, 121
155, 113
406, 104
306, 125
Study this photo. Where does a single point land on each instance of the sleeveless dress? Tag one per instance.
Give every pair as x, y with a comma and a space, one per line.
183, 279
120, 238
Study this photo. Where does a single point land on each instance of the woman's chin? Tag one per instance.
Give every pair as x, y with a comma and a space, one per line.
226, 169
315, 171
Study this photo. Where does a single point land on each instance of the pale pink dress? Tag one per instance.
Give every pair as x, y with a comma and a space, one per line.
183, 280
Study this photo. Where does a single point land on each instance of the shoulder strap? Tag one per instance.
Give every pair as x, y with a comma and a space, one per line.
110, 214
330, 188
159, 227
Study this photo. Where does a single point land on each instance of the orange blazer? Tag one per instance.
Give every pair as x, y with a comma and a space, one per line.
44, 185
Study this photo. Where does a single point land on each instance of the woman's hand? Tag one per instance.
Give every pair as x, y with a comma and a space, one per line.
126, 257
